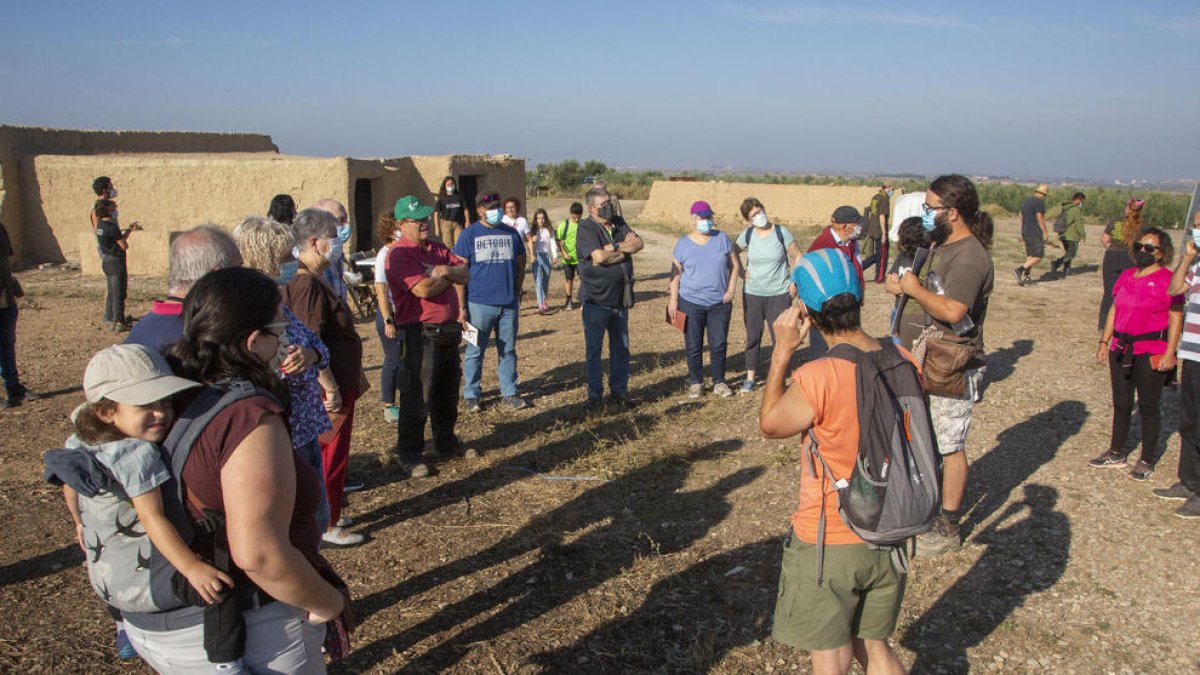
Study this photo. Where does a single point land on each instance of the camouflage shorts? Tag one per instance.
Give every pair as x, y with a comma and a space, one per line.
952, 414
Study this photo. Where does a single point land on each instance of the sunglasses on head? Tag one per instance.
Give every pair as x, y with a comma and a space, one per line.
1148, 248
1136, 203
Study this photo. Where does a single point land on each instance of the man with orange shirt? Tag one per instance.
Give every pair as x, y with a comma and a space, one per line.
849, 608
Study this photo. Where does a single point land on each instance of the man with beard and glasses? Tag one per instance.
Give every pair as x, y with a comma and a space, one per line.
953, 299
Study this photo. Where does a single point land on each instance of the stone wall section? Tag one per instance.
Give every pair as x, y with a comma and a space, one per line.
670, 202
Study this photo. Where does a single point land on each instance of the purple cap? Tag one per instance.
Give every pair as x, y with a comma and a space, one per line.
701, 209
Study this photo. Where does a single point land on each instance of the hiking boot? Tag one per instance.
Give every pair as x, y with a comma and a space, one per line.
721, 389
1141, 470
338, 537
391, 414
695, 390
1021, 278
1112, 459
516, 402
1190, 509
1177, 492
942, 538
1054, 267
747, 387
471, 405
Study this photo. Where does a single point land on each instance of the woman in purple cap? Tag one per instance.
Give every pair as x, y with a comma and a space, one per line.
704, 278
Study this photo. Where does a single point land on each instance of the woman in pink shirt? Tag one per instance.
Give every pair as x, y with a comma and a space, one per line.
1138, 343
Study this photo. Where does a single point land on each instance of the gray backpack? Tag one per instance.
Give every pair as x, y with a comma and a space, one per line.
894, 491
125, 569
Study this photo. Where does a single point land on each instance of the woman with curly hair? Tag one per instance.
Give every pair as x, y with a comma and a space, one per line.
385, 319
1117, 241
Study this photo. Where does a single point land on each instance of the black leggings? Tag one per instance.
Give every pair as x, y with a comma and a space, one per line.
1148, 383
1115, 261
759, 310
117, 282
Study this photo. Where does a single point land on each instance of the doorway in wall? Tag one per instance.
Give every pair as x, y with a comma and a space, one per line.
469, 187
364, 220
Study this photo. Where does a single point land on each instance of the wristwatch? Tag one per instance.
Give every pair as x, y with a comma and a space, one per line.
389, 321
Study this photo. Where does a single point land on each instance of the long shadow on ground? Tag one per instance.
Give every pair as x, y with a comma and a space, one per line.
1021, 449
641, 513
688, 622
1024, 556
1003, 362
42, 565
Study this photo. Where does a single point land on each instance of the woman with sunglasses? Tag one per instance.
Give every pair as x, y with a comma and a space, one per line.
1117, 241
1138, 342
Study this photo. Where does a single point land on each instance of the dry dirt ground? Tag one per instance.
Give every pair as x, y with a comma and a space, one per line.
648, 540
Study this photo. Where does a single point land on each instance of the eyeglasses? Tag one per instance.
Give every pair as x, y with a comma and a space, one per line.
276, 327
1148, 248
929, 208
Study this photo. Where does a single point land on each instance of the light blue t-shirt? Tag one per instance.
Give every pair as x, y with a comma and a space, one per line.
492, 253
705, 275
136, 465
766, 261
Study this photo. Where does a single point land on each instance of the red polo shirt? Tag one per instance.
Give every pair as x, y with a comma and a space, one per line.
408, 264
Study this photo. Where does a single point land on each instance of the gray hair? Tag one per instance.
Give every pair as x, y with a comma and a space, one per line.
594, 194
332, 206
197, 252
311, 223
264, 242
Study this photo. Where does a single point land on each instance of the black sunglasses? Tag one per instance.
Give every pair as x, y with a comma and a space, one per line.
1148, 248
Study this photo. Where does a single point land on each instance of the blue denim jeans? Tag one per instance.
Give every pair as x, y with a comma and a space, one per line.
541, 276
389, 375
504, 321
598, 320
311, 454
714, 319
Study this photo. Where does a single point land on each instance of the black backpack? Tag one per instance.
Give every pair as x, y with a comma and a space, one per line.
894, 491
1060, 223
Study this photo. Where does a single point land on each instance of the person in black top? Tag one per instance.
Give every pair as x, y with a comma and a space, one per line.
605, 245
9, 292
113, 242
449, 214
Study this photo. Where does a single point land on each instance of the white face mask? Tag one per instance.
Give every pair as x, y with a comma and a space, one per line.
450, 189
398, 234
759, 220
112, 193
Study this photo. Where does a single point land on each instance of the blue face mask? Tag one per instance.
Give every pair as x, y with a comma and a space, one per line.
343, 232
704, 226
929, 220
1196, 237
492, 216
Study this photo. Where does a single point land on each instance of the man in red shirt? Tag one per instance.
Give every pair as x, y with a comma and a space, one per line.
422, 274
841, 234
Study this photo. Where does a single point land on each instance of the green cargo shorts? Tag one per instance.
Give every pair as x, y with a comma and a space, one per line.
860, 596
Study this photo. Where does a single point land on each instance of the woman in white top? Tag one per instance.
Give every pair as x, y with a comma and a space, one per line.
545, 252
388, 233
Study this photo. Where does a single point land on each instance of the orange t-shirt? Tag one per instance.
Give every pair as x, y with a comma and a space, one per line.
829, 387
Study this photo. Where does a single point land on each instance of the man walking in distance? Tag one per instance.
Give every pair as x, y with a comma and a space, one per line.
605, 245
1071, 237
565, 236
963, 235
1033, 231
496, 256
423, 275
877, 230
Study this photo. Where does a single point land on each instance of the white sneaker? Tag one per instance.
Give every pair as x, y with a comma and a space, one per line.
695, 390
345, 521
723, 390
339, 538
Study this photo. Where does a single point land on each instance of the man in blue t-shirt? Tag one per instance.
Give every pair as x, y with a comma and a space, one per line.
1033, 231
495, 254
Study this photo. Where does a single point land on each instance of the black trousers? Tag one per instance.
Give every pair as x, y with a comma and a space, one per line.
1115, 262
1070, 248
117, 277
757, 311
1148, 384
429, 383
1189, 426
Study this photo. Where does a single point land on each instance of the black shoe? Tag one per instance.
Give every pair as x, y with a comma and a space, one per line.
1054, 267
516, 402
1112, 459
622, 402
1190, 509
352, 486
1021, 277
1141, 470
1177, 492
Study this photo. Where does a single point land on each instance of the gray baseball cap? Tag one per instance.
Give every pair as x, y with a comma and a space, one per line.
131, 374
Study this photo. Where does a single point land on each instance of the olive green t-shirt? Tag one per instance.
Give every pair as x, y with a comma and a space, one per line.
968, 275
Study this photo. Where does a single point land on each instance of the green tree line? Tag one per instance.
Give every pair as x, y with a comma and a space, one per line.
571, 178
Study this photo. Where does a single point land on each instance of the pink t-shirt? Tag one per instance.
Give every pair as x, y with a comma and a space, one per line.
1143, 306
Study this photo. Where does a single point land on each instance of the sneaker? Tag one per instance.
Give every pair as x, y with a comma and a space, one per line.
516, 402
570, 305
942, 538
391, 414
467, 452
1190, 509
1178, 492
721, 389
125, 650
1020, 272
352, 486
1053, 267
472, 405
415, 470
1141, 470
695, 390
1112, 459
345, 521
13, 401
747, 387
338, 537
621, 402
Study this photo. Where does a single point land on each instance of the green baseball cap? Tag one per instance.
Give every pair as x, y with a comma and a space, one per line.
411, 208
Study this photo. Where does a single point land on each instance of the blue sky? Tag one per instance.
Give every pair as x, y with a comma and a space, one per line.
1089, 89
